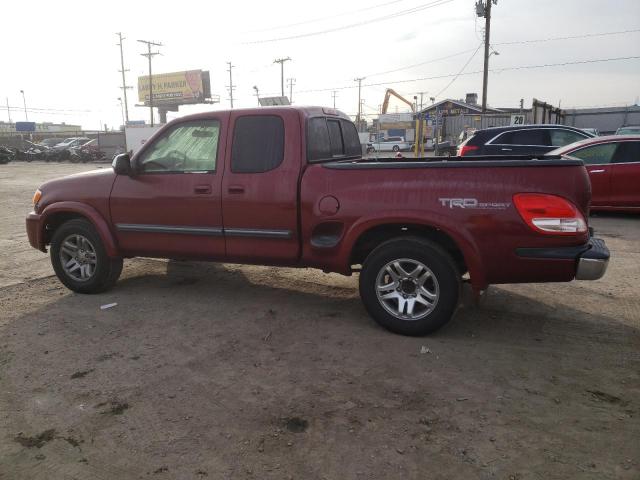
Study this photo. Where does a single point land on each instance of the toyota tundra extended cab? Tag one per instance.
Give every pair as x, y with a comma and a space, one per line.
288, 186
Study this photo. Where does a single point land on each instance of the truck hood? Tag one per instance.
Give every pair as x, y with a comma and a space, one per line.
92, 187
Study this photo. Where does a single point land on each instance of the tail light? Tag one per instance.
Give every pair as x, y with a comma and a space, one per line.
466, 149
549, 214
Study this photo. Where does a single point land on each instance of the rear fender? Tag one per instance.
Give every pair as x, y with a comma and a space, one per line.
461, 237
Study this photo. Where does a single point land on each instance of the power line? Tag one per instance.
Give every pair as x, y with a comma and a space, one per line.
460, 72
437, 77
316, 20
357, 24
571, 37
407, 67
51, 110
421, 63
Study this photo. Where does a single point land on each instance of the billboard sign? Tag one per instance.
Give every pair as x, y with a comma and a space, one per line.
25, 126
176, 88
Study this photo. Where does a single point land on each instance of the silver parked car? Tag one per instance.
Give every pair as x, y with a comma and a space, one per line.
389, 144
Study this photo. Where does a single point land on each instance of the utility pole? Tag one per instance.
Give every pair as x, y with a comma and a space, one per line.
255, 87
149, 56
484, 10
281, 62
359, 80
124, 86
8, 110
291, 82
231, 85
24, 102
334, 94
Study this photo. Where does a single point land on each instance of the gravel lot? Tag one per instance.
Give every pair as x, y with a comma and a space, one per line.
225, 371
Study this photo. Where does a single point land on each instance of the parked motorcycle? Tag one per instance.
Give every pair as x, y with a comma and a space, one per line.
6, 155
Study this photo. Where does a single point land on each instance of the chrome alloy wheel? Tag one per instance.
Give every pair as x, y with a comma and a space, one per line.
78, 257
407, 289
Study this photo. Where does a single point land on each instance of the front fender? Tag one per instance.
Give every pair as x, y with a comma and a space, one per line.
91, 214
460, 236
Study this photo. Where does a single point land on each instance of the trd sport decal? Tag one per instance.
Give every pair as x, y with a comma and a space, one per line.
473, 203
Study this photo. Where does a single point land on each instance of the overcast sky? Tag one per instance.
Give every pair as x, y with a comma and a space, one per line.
64, 54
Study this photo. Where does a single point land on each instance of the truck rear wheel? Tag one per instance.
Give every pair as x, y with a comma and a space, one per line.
80, 259
410, 286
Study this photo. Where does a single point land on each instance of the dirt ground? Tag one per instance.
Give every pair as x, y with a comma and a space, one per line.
225, 371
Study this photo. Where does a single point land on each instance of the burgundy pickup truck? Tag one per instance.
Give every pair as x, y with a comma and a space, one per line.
288, 186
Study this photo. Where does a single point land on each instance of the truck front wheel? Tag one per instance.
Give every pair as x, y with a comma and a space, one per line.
80, 259
410, 286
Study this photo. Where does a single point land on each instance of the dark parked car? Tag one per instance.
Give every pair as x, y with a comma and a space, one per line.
613, 163
521, 140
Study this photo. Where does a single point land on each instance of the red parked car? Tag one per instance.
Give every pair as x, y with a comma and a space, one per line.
288, 186
613, 163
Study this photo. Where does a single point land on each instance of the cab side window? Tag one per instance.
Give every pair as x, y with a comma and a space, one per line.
596, 154
187, 147
258, 144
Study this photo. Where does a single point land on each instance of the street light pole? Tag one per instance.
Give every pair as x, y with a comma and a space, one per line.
122, 111
24, 102
255, 87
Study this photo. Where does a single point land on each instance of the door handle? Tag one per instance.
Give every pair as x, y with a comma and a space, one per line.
596, 171
236, 189
506, 149
202, 189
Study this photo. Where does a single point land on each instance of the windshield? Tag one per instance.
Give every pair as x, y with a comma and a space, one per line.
628, 131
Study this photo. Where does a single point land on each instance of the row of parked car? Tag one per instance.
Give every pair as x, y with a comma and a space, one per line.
613, 161
73, 149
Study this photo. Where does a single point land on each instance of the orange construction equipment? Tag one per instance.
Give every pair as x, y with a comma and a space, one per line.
419, 145
387, 95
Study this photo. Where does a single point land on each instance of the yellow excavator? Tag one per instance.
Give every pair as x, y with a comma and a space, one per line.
419, 145
387, 96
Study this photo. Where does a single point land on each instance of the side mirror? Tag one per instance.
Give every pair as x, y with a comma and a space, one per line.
122, 164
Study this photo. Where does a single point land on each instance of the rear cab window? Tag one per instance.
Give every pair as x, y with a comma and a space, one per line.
331, 139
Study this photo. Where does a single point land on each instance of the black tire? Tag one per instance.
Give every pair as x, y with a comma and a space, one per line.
432, 256
107, 269
396, 148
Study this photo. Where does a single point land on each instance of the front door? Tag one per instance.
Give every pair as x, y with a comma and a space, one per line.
260, 188
171, 207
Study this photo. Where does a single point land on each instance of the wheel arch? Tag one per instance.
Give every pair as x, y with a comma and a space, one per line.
461, 248
58, 213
